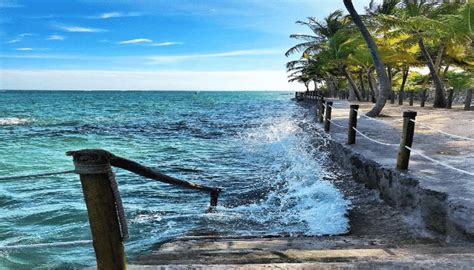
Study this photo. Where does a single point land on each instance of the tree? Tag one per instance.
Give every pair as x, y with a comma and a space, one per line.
385, 87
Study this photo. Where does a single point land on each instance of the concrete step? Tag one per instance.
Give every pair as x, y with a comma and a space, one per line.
302, 253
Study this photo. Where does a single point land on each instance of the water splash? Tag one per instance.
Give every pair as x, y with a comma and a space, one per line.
294, 197
11, 121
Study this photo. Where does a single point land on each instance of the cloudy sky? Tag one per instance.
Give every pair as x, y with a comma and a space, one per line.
151, 44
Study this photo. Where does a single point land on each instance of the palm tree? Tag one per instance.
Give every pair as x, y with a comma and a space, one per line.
385, 87
322, 30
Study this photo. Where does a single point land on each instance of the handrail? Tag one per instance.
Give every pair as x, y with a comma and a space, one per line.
151, 173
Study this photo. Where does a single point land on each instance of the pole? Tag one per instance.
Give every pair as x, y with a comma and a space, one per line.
93, 166
408, 132
327, 123
321, 111
467, 102
351, 133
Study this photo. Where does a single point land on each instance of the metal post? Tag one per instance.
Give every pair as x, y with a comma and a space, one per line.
408, 132
327, 123
351, 133
321, 111
93, 166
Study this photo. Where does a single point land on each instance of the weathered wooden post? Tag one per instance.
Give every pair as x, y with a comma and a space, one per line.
412, 94
321, 111
467, 102
351, 133
408, 132
423, 98
93, 166
214, 197
449, 103
327, 122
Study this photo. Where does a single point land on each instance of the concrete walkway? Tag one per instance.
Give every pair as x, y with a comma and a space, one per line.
208, 252
457, 187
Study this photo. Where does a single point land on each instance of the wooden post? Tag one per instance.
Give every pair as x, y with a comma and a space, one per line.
467, 102
327, 123
321, 111
93, 166
351, 133
408, 132
412, 94
214, 198
449, 102
423, 98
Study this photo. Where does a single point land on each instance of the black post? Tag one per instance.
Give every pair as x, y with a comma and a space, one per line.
411, 97
408, 132
449, 104
467, 103
327, 123
351, 133
423, 98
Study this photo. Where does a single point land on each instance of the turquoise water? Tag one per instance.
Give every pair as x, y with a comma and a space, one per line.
249, 143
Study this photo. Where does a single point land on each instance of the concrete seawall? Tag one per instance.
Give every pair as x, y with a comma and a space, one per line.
442, 214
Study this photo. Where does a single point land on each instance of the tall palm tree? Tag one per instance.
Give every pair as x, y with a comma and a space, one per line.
385, 87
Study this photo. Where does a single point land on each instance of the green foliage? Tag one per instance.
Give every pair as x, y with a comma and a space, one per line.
334, 44
460, 80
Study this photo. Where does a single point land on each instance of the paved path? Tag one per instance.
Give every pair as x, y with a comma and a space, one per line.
208, 252
458, 153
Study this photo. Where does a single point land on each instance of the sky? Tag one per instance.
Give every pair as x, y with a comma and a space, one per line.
152, 44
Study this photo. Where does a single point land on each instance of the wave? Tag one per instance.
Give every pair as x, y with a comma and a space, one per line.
11, 121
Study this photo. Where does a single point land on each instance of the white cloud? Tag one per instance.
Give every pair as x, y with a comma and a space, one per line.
56, 37
115, 14
167, 43
19, 38
138, 80
80, 29
136, 41
163, 59
24, 49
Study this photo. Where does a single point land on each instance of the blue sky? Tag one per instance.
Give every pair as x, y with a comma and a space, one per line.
151, 44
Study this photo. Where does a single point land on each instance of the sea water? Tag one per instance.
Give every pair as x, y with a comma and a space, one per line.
249, 143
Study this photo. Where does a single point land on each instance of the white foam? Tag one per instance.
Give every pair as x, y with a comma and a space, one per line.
301, 200
10, 121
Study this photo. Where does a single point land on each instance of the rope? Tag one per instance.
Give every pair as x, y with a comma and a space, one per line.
119, 206
47, 245
443, 132
439, 162
373, 140
35, 175
337, 125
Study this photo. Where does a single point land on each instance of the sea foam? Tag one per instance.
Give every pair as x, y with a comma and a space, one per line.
11, 121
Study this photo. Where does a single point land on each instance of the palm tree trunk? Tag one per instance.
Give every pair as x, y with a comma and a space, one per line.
362, 85
439, 98
439, 57
385, 86
371, 86
401, 93
355, 89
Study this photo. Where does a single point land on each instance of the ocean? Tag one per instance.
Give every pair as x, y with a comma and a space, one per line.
251, 144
